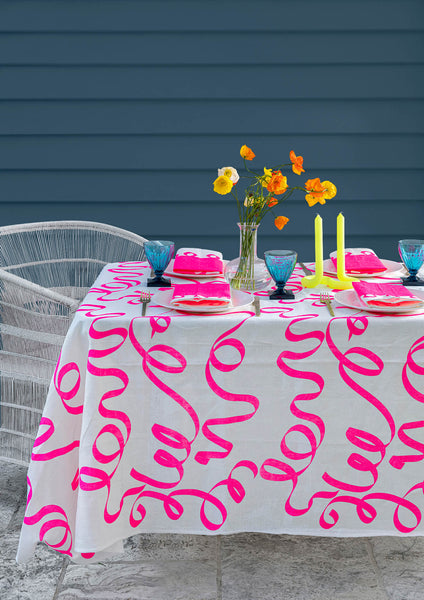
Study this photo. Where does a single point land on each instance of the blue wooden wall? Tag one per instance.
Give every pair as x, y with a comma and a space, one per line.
121, 111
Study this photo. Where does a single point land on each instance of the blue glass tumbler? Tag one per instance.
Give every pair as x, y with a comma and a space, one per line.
280, 264
412, 254
159, 253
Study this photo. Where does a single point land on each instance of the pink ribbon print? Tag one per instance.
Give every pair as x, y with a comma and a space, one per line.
186, 438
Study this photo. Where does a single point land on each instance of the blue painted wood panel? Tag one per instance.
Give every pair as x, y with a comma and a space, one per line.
121, 111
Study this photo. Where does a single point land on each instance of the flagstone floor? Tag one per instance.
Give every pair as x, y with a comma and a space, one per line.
237, 567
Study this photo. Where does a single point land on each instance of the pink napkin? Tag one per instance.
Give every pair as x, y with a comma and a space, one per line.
386, 294
201, 294
360, 260
197, 261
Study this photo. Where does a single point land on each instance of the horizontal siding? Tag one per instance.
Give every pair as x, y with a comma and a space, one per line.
218, 117
210, 81
121, 111
211, 15
212, 48
209, 152
169, 221
54, 187
219, 230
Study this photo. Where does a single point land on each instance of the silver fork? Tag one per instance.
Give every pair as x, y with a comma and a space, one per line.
324, 298
144, 299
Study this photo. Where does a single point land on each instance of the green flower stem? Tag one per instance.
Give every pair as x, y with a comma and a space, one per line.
245, 275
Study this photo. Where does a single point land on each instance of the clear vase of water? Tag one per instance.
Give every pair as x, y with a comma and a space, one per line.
247, 271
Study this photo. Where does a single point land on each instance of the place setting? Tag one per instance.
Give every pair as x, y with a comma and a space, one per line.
216, 295
385, 297
209, 297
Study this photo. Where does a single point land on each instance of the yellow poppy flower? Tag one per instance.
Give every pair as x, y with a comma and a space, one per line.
330, 190
222, 185
266, 177
247, 153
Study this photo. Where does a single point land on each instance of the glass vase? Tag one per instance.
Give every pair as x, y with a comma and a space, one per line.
248, 272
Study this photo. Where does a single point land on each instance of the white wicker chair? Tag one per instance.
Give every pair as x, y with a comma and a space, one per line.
45, 271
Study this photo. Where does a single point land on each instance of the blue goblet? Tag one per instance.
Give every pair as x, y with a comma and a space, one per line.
412, 254
159, 253
280, 264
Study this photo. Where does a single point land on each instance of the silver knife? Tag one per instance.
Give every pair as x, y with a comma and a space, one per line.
257, 306
305, 269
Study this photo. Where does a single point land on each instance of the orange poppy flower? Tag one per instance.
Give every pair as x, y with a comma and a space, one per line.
247, 153
272, 202
316, 192
277, 184
297, 165
280, 222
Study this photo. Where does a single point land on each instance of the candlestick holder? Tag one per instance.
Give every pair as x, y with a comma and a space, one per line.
343, 281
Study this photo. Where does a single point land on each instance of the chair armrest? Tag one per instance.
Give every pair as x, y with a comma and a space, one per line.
39, 290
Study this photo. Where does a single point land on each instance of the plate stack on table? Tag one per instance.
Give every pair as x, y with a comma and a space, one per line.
362, 263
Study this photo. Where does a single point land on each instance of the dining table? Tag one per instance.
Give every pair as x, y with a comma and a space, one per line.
213, 423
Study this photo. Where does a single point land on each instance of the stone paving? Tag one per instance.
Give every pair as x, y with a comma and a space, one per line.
237, 567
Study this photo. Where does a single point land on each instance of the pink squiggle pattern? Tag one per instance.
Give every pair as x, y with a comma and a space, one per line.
101, 477
234, 486
203, 457
148, 359
360, 438
128, 277
44, 437
51, 525
399, 461
175, 509
367, 512
279, 470
65, 396
163, 434
413, 366
159, 324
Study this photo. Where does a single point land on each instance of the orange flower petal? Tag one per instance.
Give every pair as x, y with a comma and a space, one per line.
272, 201
297, 161
314, 185
311, 200
280, 222
277, 184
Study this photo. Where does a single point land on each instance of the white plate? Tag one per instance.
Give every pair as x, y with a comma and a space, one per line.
350, 299
169, 271
238, 300
391, 267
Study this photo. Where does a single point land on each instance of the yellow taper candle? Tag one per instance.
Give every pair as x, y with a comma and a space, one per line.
319, 252
314, 280
341, 272
340, 246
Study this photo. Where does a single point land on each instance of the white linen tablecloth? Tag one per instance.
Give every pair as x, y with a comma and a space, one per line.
294, 422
